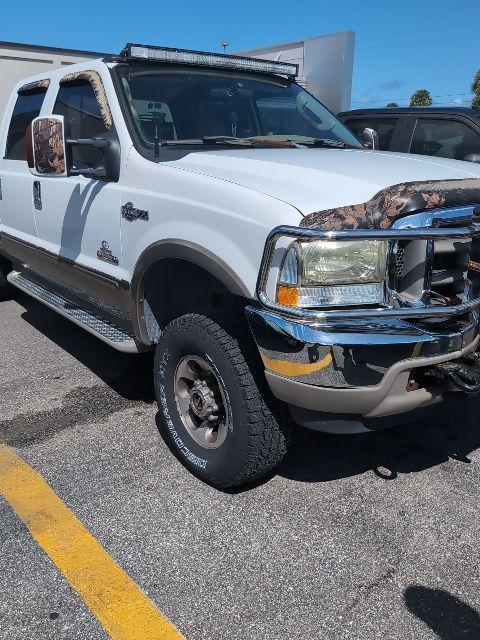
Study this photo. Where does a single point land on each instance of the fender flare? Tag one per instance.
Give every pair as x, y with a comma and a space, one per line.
182, 250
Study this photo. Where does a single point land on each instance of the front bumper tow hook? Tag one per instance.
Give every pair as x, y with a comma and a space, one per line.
463, 376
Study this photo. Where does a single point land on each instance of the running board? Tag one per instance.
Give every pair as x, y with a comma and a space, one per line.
109, 333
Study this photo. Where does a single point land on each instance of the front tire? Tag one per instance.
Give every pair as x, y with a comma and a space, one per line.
214, 416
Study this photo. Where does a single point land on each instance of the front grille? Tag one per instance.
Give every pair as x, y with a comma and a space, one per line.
409, 270
450, 268
435, 272
399, 261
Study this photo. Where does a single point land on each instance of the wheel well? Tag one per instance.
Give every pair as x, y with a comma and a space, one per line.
173, 287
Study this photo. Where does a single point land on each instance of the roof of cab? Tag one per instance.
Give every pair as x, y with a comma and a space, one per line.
59, 72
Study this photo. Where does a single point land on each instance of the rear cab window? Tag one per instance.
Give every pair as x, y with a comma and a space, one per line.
385, 127
27, 107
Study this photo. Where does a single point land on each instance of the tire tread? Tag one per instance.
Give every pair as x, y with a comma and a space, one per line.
267, 438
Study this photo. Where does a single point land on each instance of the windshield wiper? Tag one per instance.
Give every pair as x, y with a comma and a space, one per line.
252, 142
226, 140
287, 143
326, 142
244, 142
239, 142
276, 142
190, 141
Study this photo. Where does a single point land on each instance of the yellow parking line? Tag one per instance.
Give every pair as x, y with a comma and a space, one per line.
124, 611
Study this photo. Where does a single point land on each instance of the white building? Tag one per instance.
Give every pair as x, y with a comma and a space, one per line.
18, 61
325, 64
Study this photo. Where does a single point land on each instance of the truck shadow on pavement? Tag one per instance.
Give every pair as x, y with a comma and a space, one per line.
129, 375
451, 432
447, 616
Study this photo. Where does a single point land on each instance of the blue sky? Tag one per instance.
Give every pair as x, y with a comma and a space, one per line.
400, 47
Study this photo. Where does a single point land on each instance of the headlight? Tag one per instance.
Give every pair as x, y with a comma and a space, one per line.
320, 273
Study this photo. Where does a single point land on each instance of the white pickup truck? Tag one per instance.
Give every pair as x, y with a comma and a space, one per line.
208, 207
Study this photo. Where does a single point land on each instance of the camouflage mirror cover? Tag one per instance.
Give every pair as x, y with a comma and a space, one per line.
49, 146
394, 202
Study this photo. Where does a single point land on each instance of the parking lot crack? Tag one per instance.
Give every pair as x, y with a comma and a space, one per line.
365, 590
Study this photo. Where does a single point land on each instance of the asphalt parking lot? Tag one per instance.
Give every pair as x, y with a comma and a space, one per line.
370, 536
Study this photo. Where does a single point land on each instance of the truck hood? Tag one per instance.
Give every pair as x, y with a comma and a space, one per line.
314, 179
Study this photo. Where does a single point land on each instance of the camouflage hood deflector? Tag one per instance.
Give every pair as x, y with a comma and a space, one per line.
394, 202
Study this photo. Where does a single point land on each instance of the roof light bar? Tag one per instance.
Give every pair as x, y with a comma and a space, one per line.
205, 59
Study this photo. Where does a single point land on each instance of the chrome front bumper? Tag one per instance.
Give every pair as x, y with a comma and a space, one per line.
366, 361
357, 368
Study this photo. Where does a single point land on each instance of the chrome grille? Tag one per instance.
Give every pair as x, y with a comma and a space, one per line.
399, 261
450, 267
432, 271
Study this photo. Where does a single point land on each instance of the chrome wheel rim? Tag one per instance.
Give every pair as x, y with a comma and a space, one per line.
201, 402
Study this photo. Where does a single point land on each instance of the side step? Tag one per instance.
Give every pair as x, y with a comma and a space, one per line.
105, 331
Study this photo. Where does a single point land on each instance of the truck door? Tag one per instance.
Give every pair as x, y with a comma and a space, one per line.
78, 218
17, 183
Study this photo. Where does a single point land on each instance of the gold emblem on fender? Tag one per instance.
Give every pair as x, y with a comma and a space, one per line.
475, 266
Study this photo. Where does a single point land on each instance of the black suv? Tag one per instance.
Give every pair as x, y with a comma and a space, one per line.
447, 132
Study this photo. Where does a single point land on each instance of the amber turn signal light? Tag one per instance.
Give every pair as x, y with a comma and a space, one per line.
288, 296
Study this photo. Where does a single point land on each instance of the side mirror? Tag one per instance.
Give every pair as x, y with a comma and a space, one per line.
472, 157
45, 146
370, 138
49, 152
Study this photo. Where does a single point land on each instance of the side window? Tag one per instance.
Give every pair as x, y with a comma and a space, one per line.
27, 107
383, 126
76, 101
444, 138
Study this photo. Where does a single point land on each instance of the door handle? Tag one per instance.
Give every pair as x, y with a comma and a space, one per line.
37, 195
1, 195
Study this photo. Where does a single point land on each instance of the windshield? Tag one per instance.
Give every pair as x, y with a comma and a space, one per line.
182, 106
